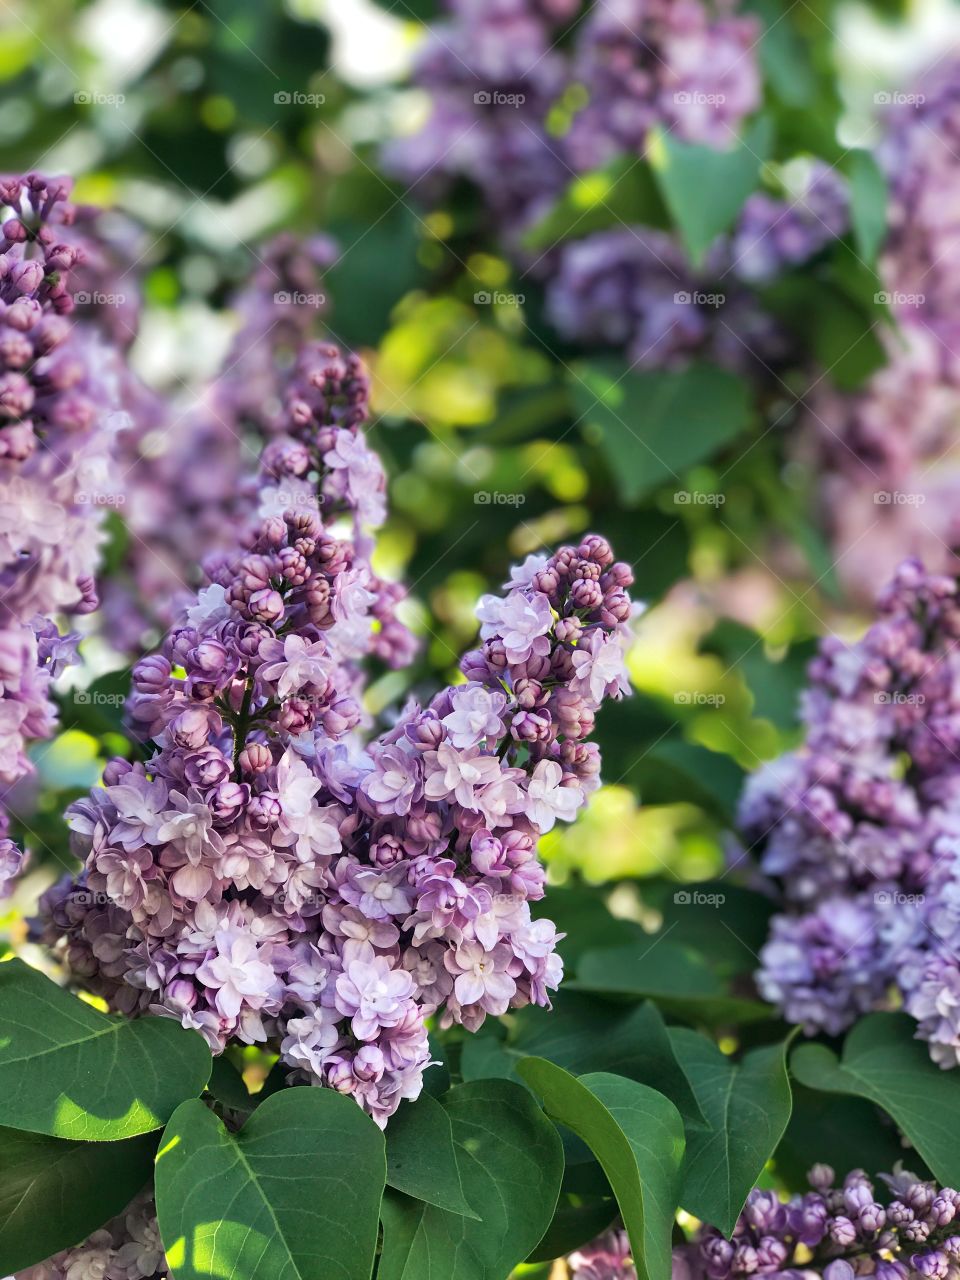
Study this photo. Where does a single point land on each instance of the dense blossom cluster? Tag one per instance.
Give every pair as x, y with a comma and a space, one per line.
858, 828
519, 113
890, 452
171, 510
60, 410
263, 876
128, 1248
907, 1227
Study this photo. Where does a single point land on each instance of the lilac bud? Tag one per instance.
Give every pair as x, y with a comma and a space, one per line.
256, 757
842, 1231
266, 605
871, 1218
191, 728
227, 800
838, 1269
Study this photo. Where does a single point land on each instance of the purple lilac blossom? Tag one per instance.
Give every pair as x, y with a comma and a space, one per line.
265, 878
858, 827
904, 1228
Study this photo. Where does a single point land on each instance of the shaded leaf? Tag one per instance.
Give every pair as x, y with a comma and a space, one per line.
421, 1157
511, 1163
71, 1072
637, 1136
55, 1192
295, 1195
747, 1107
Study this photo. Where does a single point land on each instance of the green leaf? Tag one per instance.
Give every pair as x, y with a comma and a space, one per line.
676, 771
705, 189
55, 1192
573, 1225
623, 193
421, 1157
511, 1163
655, 423
581, 1034
885, 1064
227, 1086
868, 204
747, 1107
637, 1136
71, 1072
295, 1195
680, 981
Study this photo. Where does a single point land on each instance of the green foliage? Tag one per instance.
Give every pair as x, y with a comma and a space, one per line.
883, 1062
654, 424
71, 1072
747, 1107
510, 1161
296, 1193
637, 1136
55, 1192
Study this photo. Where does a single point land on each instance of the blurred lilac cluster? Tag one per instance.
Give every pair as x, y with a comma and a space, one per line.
265, 877
61, 408
858, 828
173, 509
128, 1248
890, 452
524, 100
907, 1228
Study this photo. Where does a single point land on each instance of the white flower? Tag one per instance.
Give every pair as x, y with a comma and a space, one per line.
548, 800
211, 606
315, 827
475, 715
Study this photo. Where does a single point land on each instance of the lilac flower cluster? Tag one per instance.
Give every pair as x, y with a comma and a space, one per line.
837, 1232
496, 75
890, 452
858, 827
60, 409
264, 877
172, 510
128, 1248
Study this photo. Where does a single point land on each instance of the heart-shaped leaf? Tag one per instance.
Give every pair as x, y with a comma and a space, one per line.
421, 1156
55, 1192
705, 188
511, 1163
295, 1195
71, 1072
883, 1062
637, 1136
747, 1108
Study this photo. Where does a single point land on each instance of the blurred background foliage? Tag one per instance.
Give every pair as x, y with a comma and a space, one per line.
219, 122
